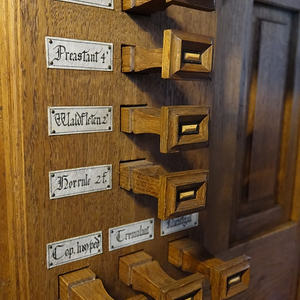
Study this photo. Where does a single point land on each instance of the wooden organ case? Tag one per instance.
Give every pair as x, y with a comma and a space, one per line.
149, 149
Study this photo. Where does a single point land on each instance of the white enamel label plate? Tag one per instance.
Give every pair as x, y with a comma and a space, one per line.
64, 53
130, 234
178, 224
66, 251
65, 183
79, 119
109, 4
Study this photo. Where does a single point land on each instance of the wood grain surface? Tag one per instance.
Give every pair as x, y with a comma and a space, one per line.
28, 88
29, 219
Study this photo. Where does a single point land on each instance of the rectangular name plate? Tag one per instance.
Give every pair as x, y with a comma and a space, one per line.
79, 119
64, 53
178, 224
130, 234
65, 183
66, 251
99, 3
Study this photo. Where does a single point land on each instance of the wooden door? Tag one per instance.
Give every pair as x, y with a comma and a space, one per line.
253, 156
254, 98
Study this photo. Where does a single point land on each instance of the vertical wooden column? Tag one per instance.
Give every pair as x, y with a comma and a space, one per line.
230, 89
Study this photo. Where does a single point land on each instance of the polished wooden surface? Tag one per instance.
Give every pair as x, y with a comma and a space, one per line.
232, 223
144, 274
28, 88
150, 6
173, 58
227, 279
179, 127
177, 193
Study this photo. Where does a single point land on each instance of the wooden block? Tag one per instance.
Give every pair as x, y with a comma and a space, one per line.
82, 285
189, 287
147, 7
126, 263
92, 290
146, 275
126, 170
67, 281
183, 56
176, 45
179, 127
227, 278
178, 193
139, 59
177, 249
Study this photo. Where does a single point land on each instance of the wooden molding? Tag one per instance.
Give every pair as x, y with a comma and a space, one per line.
178, 126
146, 7
227, 278
183, 56
82, 285
178, 193
145, 275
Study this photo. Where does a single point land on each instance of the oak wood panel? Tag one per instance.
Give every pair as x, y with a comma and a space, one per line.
274, 170
287, 4
270, 252
28, 88
267, 125
296, 111
229, 96
16, 264
267, 118
266, 219
4, 270
32, 153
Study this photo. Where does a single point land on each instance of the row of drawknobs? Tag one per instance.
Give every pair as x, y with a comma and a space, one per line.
179, 128
183, 56
212, 278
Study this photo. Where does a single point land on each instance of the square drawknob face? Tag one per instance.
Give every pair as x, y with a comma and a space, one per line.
186, 55
183, 127
234, 277
182, 193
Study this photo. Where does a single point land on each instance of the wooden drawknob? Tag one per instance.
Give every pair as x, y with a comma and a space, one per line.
144, 274
227, 278
178, 193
